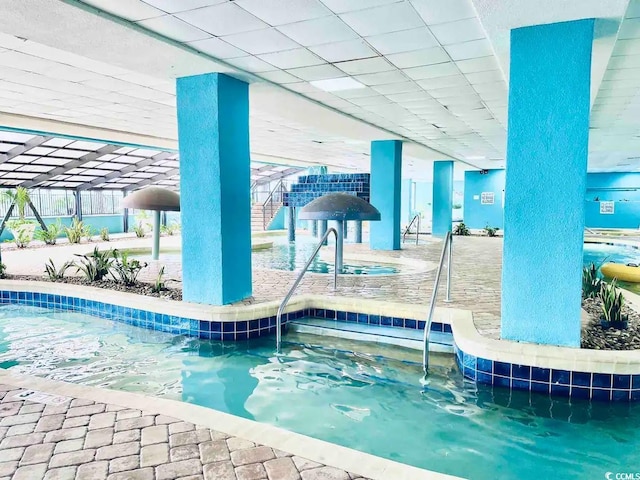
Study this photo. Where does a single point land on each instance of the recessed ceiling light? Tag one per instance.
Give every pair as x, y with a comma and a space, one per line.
336, 84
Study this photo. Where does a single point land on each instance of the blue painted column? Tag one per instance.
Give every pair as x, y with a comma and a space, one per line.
386, 193
213, 134
547, 145
442, 203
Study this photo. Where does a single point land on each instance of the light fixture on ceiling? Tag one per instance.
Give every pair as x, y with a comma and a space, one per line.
336, 84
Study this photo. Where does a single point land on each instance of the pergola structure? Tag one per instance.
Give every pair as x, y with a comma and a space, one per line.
36, 160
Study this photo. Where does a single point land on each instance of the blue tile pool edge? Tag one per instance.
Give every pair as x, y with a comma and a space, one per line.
224, 330
555, 382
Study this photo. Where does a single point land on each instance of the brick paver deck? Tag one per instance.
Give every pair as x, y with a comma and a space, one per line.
84, 440
476, 273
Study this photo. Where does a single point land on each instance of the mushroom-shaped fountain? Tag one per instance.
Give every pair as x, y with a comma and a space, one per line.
156, 199
340, 207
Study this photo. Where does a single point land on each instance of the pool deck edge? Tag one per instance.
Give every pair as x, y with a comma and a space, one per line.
376, 468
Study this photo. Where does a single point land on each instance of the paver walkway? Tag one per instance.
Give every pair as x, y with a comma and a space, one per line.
84, 440
477, 266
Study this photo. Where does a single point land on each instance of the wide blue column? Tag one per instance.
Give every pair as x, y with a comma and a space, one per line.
213, 134
442, 203
386, 193
547, 145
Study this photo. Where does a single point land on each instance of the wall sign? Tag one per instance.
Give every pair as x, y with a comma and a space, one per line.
607, 208
487, 198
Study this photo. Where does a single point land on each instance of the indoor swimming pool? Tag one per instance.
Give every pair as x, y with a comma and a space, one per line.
364, 396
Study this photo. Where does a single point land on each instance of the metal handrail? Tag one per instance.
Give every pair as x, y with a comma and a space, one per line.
279, 188
447, 247
416, 217
299, 279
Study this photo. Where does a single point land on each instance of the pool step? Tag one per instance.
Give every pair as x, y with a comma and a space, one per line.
403, 337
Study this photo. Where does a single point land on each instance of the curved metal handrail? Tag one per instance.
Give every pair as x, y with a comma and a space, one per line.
414, 219
299, 279
447, 247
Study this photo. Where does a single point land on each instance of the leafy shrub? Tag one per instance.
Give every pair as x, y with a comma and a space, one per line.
491, 231
590, 282
77, 231
158, 285
54, 273
50, 235
96, 265
140, 231
612, 303
126, 270
104, 234
461, 229
170, 229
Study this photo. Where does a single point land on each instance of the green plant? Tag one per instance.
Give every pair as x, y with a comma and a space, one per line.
3, 270
50, 235
158, 285
20, 197
140, 231
612, 303
461, 229
491, 231
590, 282
104, 234
170, 229
127, 270
76, 231
456, 206
95, 265
56, 273
143, 217
22, 234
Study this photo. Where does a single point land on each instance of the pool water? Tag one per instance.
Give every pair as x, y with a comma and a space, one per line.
599, 253
320, 387
293, 256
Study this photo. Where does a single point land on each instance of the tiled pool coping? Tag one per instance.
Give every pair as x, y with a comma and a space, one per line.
558, 371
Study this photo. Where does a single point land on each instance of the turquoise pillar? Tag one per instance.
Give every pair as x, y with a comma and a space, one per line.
407, 212
442, 203
213, 134
547, 145
386, 193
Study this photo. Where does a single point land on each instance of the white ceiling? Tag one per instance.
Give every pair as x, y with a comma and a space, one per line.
433, 70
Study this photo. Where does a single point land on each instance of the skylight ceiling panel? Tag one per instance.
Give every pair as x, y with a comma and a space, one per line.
66, 153
54, 161
21, 175
95, 172
142, 175
17, 138
36, 168
23, 159
57, 142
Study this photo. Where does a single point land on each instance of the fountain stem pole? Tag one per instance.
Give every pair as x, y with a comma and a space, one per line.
339, 244
155, 252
